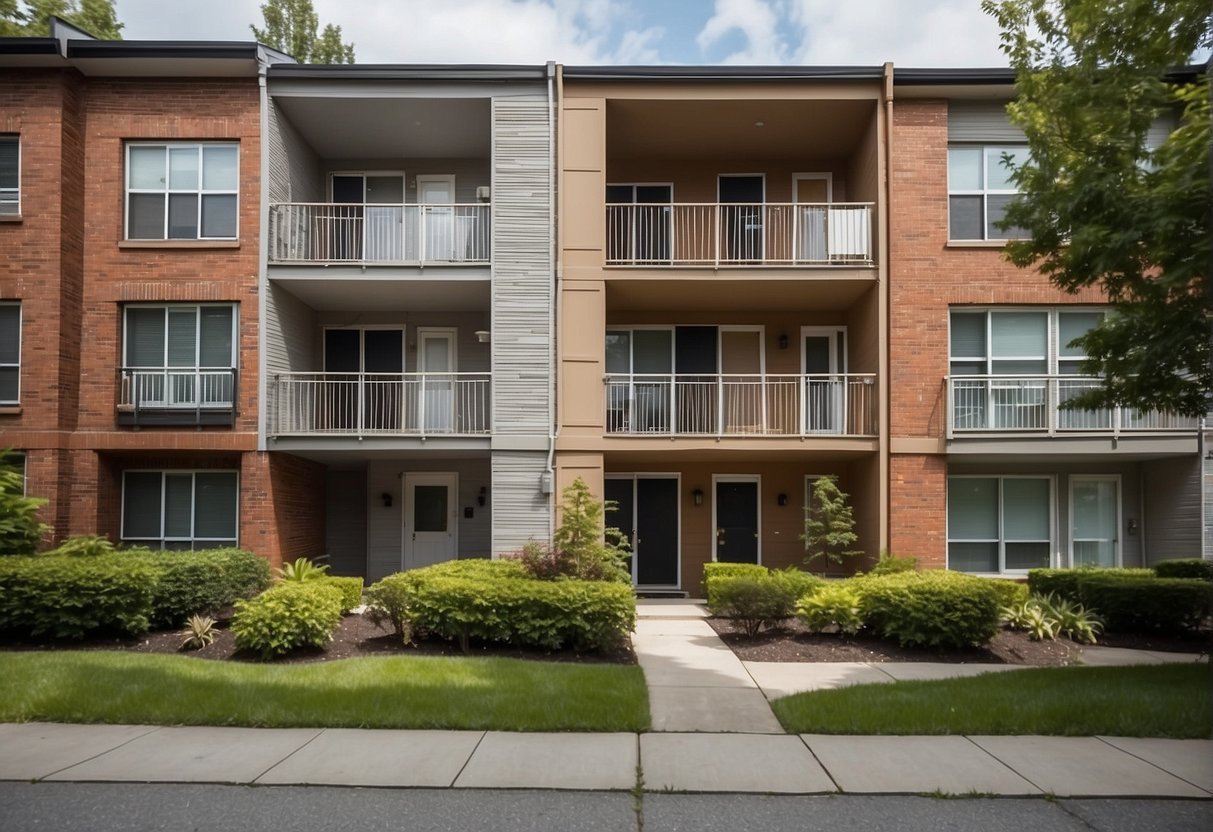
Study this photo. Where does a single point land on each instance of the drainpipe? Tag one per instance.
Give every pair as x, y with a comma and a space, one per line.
263, 254
553, 295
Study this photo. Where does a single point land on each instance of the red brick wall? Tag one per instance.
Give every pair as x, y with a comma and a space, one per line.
282, 506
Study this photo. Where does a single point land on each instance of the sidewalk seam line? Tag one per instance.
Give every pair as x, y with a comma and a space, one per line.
463, 767
1151, 763
838, 789
1007, 765
152, 729
292, 753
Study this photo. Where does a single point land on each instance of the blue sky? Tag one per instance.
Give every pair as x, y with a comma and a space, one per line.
942, 33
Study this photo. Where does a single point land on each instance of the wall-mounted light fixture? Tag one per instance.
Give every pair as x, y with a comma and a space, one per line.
483, 495
483, 336
697, 496
782, 499
783, 340
387, 499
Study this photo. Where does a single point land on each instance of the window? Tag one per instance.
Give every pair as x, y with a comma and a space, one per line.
181, 191
10, 175
10, 353
980, 188
180, 355
999, 524
180, 509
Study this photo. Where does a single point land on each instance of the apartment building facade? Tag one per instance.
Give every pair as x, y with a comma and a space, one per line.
385, 314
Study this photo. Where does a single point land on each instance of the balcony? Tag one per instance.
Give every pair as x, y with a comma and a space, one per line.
731, 234
176, 396
1031, 405
741, 405
331, 233
380, 404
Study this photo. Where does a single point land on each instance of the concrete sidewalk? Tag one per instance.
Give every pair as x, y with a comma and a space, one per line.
691, 762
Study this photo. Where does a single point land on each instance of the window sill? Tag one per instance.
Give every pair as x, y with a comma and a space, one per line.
977, 243
16, 218
10, 410
194, 244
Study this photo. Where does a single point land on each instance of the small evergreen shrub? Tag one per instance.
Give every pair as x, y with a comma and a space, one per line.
833, 605
1185, 568
287, 617
1146, 604
829, 524
755, 601
350, 589
936, 609
582, 547
199, 582
67, 597
301, 569
388, 602
1009, 592
715, 573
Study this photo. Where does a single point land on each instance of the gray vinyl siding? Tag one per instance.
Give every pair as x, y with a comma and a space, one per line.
287, 341
520, 509
345, 521
1172, 508
384, 540
294, 169
981, 121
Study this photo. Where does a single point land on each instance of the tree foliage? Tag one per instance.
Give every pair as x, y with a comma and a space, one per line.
291, 25
31, 18
829, 524
593, 551
1099, 205
20, 529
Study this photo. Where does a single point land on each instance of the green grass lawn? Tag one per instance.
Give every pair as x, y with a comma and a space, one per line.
389, 692
1145, 701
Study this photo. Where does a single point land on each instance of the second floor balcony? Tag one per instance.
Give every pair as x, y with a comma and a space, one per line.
742, 405
404, 234
176, 396
1031, 404
380, 404
739, 234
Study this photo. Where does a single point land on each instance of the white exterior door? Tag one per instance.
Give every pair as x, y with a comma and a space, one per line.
434, 193
436, 360
430, 524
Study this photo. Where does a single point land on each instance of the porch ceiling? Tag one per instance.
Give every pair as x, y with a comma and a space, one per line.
388, 294
392, 128
695, 292
723, 129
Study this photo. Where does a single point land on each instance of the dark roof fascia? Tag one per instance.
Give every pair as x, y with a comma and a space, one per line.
220, 50
988, 76
409, 72
724, 73
29, 46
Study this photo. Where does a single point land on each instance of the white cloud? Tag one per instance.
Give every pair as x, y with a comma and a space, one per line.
756, 21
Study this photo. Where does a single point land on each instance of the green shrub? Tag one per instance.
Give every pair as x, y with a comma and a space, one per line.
480, 568
1064, 582
388, 602
832, 605
936, 609
300, 569
484, 603
66, 597
199, 582
286, 617
1073, 620
754, 601
1185, 568
199, 632
1009, 592
82, 546
713, 573
20, 529
891, 564
1145, 604
797, 582
350, 589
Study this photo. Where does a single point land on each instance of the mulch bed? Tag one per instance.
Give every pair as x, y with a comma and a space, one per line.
356, 636
791, 642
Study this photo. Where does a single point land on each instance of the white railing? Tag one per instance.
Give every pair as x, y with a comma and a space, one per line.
730, 234
317, 232
1031, 404
360, 404
741, 405
176, 388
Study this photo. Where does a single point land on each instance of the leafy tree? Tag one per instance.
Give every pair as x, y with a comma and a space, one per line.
31, 18
829, 524
1098, 205
290, 25
20, 529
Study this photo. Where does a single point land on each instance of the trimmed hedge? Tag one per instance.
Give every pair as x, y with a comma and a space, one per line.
1064, 582
1185, 568
714, 573
495, 601
70, 597
1138, 604
199, 582
1010, 593
286, 617
350, 589
937, 609
756, 597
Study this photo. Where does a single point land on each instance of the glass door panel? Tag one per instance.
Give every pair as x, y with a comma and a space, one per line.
1095, 521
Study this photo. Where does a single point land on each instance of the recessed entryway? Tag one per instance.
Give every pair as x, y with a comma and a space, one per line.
647, 511
431, 531
736, 518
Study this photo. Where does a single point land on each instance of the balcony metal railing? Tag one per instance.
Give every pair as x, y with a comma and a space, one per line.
362, 404
176, 395
317, 232
1031, 404
741, 405
731, 234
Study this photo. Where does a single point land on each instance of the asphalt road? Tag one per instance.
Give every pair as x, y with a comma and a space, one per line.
113, 807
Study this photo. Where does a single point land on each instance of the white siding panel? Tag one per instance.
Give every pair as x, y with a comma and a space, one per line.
520, 511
